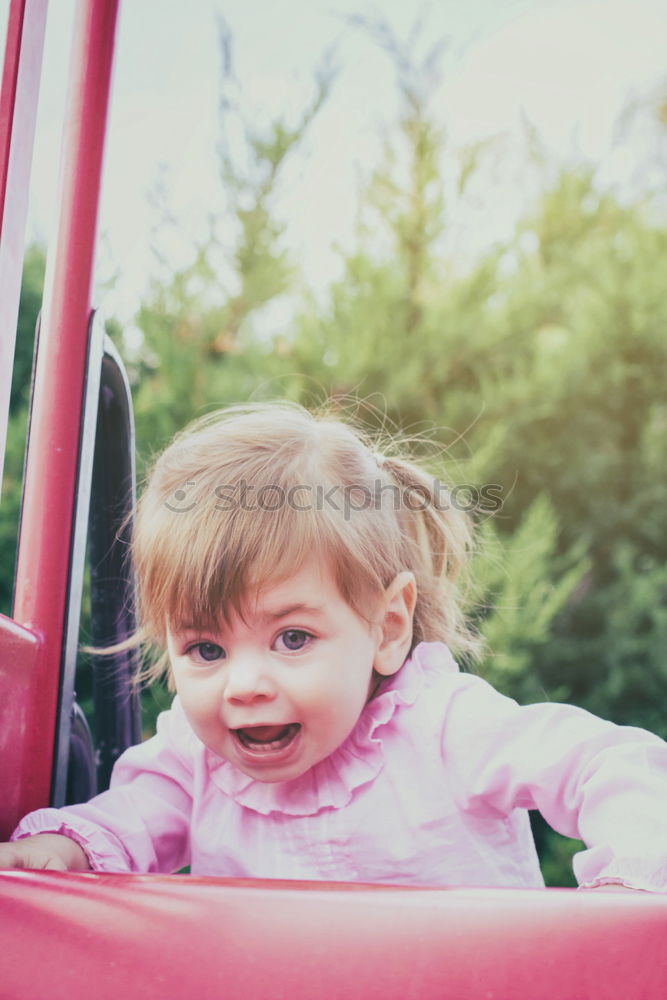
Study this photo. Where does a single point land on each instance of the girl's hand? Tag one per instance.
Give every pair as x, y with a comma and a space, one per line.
44, 850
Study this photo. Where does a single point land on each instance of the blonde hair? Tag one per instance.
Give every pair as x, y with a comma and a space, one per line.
243, 497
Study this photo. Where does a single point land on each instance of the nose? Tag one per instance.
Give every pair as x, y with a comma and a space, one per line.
248, 681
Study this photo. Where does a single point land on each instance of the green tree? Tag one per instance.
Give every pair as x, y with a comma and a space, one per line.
200, 348
29, 306
575, 409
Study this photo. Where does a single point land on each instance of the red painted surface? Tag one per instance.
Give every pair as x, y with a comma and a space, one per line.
51, 471
75, 936
24, 45
18, 655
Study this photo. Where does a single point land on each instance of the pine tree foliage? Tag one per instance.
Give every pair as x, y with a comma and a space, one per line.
199, 350
12, 482
524, 584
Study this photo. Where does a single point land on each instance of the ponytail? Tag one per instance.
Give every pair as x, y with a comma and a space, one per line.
438, 540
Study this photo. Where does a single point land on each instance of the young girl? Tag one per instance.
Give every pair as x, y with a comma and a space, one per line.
303, 591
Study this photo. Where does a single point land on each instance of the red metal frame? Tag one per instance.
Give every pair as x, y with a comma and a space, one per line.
27, 730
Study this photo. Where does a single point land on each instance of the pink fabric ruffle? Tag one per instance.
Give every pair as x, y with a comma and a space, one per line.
102, 854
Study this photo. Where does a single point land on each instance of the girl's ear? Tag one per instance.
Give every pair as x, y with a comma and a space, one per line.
396, 613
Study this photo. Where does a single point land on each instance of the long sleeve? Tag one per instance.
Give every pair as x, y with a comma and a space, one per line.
142, 823
591, 779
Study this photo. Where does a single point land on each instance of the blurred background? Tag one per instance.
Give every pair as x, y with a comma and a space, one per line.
453, 213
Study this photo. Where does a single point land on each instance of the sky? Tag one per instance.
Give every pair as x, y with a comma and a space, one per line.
569, 68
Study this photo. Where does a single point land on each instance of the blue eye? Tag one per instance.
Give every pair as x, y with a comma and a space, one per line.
294, 639
208, 652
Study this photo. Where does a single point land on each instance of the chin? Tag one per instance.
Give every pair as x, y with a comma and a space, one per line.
269, 778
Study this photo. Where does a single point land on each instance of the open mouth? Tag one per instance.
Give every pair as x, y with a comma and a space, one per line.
267, 739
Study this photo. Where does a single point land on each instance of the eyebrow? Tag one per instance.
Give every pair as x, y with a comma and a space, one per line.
292, 609
268, 615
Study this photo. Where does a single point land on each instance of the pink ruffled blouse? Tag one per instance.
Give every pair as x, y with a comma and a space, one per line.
432, 787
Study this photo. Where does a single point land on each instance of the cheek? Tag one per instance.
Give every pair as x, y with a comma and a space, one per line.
344, 697
197, 697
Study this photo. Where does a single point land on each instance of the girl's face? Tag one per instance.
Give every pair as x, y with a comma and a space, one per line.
278, 690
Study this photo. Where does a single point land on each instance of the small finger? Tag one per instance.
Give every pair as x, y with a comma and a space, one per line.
54, 864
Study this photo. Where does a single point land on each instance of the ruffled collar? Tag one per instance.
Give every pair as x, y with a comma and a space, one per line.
332, 782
